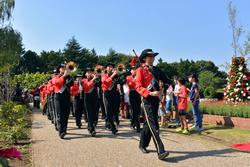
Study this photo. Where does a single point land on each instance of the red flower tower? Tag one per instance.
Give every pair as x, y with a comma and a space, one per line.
238, 85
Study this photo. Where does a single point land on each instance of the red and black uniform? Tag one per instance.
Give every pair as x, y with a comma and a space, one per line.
100, 98
77, 92
111, 95
52, 101
62, 102
48, 102
147, 80
90, 101
135, 103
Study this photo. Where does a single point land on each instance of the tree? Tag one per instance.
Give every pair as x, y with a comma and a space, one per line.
11, 46
50, 60
6, 8
30, 62
236, 30
10, 51
72, 50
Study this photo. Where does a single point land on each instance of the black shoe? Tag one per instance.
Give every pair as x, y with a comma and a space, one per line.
118, 123
163, 155
93, 133
143, 150
62, 135
114, 132
79, 126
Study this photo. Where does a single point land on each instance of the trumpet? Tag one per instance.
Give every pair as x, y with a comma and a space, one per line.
71, 66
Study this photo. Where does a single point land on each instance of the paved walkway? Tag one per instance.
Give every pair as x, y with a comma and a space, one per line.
105, 150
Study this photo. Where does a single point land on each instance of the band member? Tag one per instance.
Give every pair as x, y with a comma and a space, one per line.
100, 98
134, 100
42, 89
77, 92
53, 81
62, 98
109, 87
90, 99
48, 102
147, 85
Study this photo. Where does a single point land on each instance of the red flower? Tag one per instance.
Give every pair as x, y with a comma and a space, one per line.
242, 84
10, 153
245, 90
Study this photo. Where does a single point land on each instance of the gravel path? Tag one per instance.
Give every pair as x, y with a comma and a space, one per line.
105, 150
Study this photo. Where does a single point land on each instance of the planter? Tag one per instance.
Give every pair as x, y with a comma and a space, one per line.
243, 123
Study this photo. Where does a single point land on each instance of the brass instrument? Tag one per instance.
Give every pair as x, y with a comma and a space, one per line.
120, 68
98, 69
71, 66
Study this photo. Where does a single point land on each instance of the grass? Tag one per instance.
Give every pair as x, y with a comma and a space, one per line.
219, 134
227, 135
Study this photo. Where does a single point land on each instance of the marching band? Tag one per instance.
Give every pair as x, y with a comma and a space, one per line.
102, 89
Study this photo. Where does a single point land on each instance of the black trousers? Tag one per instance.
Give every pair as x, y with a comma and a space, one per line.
48, 109
135, 103
62, 104
117, 107
54, 111
51, 107
101, 106
91, 107
79, 107
151, 126
110, 100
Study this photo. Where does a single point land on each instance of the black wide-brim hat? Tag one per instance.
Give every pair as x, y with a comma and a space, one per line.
145, 53
88, 69
110, 64
59, 66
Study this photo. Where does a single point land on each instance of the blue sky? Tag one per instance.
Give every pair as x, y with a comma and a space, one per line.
187, 29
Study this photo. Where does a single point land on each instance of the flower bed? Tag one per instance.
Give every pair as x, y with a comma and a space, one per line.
219, 113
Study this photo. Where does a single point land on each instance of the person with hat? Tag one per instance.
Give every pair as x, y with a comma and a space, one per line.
134, 100
90, 98
77, 92
62, 98
109, 87
147, 85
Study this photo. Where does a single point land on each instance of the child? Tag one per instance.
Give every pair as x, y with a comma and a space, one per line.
169, 99
182, 106
162, 110
195, 99
175, 101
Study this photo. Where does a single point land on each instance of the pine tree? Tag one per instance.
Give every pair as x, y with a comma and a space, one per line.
238, 85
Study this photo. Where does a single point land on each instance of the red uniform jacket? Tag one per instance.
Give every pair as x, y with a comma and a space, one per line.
74, 89
42, 89
143, 80
59, 83
51, 87
106, 82
130, 82
87, 85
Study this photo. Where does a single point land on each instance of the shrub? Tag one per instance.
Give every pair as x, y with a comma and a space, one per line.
13, 121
